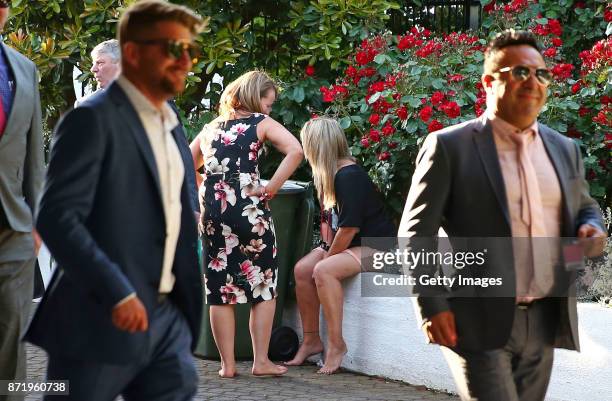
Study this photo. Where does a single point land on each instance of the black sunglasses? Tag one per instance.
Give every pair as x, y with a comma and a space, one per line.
521, 73
174, 48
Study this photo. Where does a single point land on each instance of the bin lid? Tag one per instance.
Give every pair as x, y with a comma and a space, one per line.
289, 187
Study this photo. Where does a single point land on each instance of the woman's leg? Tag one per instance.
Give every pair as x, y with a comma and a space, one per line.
223, 324
308, 305
260, 325
328, 275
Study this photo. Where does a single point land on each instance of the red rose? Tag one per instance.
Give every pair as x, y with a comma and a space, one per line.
376, 87
404, 43
351, 71
555, 27
451, 109
435, 125
314, 115
363, 57
384, 156
328, 94
340, 90
393, 145
605, 100
426, 113
574, 133
604, 117
374, 119
368, 72
455, 78
489, 7
402, 113
550, 52
583, 111
310, 70
562, 71
576, 87
388, 129
608, 141
374, 135
365, 143
608, 15
557, 42
579, 4
437, 98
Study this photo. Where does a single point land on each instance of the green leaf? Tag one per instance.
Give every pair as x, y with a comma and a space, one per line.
299, 94
374, 97
380, 58
412, 126
438, 83
345, 122
551, 14
288, 117
414, 101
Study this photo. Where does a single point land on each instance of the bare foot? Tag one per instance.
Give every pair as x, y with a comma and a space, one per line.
268, 369
227, 372
333, 359
306, 350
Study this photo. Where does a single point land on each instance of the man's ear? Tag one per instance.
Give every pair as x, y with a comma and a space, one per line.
129, 55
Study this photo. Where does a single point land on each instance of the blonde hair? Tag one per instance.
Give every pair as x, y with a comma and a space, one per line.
140, 16
324, 144
245, 93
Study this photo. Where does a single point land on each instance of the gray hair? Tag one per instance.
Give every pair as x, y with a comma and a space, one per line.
110, 47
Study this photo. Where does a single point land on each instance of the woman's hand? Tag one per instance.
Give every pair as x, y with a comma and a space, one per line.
262, 192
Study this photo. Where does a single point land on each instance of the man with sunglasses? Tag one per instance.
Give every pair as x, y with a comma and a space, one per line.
504, 175
122, 313
21, 176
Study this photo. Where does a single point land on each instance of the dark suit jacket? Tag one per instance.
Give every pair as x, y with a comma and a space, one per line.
102, 218
458, 185
21, 147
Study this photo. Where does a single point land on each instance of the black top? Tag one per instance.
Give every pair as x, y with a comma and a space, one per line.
359, 204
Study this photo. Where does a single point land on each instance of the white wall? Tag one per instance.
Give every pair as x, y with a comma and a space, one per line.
383, 339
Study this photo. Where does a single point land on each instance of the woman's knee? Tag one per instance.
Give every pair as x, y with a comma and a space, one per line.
321, 272
303, 270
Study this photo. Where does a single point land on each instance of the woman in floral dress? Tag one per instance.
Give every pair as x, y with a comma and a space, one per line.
240, 259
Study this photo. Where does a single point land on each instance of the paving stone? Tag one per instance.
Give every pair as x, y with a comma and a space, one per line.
300, 384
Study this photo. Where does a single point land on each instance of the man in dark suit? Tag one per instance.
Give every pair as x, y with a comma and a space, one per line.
122, 313
21, 176
504, 175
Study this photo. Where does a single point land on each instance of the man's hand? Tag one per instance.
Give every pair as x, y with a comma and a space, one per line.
131, 316
37, 241
594, 245
440, 329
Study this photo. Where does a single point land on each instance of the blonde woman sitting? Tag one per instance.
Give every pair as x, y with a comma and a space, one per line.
355, 211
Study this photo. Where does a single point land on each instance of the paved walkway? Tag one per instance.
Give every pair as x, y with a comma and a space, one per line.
300, 384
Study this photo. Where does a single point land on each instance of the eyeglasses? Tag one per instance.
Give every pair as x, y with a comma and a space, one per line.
174, 48
522, 73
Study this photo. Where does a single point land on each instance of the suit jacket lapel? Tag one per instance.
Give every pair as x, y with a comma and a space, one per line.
483, 137
19, 94
555, 154
134, 125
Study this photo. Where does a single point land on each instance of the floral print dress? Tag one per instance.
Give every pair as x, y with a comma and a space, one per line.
239, 240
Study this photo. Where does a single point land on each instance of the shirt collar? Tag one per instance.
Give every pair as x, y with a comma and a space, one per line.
144, 105
505, 128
